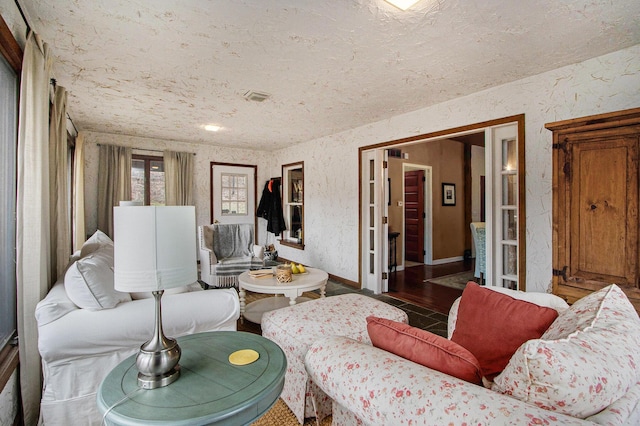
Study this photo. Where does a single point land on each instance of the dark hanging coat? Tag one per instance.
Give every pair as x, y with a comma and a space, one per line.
270, 207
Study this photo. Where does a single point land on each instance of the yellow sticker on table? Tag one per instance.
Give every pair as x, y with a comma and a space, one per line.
243, 357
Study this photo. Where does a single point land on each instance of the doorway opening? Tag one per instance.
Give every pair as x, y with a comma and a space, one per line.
476, 175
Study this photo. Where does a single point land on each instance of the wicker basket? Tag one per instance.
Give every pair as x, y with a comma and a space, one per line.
283, 274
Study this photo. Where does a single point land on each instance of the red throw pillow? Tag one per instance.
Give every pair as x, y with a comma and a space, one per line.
492, 326
424, 348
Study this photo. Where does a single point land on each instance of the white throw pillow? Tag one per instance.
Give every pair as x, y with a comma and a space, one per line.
89, 281
98, 240
587, 359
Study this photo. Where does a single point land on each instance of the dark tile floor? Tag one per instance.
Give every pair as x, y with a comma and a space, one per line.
419, 317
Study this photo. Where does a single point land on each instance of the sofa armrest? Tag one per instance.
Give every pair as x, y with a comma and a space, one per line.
382, 389
83, 333
258, 251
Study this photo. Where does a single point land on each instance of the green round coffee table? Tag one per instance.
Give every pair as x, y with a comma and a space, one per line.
210, 390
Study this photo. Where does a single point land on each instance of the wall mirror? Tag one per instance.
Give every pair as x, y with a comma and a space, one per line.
293, 204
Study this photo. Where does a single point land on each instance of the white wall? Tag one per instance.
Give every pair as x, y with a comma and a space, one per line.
9, 400
604, 84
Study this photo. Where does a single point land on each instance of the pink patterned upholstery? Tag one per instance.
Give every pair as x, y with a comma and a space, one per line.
592, 355
296, 327
373, 387
584, 362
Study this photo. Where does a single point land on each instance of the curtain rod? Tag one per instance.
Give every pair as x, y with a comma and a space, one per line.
54, 83
145, 149
24, 18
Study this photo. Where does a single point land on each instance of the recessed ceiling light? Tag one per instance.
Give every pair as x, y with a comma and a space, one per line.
212, 127
402, 4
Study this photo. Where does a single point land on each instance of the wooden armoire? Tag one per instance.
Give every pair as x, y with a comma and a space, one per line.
595, 204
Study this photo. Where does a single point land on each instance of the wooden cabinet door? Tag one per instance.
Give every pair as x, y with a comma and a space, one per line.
595, 218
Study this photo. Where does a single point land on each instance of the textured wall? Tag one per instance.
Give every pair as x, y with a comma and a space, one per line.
9, 400
604, 84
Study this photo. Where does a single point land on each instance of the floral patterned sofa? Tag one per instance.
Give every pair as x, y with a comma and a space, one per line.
584, 369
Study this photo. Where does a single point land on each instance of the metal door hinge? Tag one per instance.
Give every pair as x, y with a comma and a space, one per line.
561, 145
385, 276
561, 273
385, 164
385, 220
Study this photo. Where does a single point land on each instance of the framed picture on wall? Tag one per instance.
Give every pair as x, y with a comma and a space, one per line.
448, 194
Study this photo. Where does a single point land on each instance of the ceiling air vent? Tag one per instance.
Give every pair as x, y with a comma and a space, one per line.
256, 96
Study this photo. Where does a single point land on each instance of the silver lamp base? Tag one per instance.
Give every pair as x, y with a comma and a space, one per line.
152, 382
158, 358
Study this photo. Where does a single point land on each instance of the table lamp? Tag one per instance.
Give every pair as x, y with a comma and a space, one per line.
154, 250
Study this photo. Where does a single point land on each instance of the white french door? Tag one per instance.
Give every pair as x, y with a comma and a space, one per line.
503, 236
375, 247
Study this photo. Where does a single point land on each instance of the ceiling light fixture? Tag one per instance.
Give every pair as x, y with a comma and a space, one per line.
402, 4
212, 127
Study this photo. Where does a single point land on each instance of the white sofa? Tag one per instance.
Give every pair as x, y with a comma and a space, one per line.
585, 369
80, 346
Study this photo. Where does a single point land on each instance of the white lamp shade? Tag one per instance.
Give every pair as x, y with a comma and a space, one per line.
154, 247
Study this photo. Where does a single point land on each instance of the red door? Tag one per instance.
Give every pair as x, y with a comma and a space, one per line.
414, 216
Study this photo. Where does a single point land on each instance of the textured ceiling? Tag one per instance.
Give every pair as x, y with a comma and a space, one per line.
163, 69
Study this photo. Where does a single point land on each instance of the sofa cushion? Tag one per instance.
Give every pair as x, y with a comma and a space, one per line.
89, 281
492, 325
98, 240
425, 348
586, 360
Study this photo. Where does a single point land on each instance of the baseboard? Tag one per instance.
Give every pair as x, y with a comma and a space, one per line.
341, 280
447, 260
344, 281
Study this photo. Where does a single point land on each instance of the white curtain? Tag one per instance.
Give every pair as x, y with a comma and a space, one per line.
114, 183
178, 178
33, 216
79, 230
58, 184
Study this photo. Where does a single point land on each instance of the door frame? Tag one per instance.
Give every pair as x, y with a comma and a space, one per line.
428, 211
518, 120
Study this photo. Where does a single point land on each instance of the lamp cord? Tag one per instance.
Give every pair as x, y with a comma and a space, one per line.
124, 398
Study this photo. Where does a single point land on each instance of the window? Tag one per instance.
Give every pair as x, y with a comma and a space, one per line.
9, 92
234, 194
147, 180
293, 204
